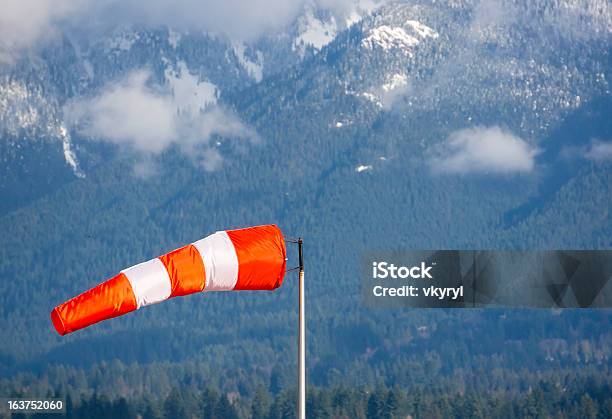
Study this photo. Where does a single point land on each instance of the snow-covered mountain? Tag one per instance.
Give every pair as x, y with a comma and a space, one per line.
520, 64
197, 67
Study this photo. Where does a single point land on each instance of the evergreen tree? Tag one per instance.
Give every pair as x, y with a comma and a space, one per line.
261, 403
121, 409
174, 406
210, 400
390, 407
587, 408
69, 407
225, 410
151, 412
375, 405
278, 380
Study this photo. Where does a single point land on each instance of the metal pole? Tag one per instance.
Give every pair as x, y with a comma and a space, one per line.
301, 340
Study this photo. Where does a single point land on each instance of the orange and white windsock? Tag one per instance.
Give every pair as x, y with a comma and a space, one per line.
252, 258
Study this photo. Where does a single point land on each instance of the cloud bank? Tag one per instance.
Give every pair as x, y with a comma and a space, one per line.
127, 112
29, 23
484, 150
599, 151
25, 22
237, 19
148, 119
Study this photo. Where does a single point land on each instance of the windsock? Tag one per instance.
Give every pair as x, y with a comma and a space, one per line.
252, 258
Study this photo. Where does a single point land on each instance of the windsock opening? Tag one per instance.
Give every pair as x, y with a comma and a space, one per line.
252, 258
56, 319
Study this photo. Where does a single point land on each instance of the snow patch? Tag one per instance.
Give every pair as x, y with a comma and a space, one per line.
89, 69
352, 18
315, 32
372, 98
397, 81
122, 42
20, 108
423, 30
173, 38
69, 154
387, 37
24, 112
253, 68
363, 168
190, 94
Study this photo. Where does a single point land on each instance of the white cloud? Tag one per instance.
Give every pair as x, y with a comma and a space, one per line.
237, 19
148, 119
599, 151
484, 150
24, 22
127, 112
395, 89
29, 23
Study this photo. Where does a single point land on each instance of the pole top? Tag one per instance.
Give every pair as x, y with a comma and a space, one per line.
301, 255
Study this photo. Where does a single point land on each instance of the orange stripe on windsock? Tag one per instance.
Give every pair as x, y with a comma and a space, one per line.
186, 270
109, 299
261, 257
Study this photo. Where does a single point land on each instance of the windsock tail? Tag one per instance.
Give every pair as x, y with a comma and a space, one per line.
111, 298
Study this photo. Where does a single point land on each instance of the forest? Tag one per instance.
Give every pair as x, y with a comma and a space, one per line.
587, 396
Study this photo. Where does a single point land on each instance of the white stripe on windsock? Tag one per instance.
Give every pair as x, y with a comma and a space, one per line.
150, 282
220, 261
